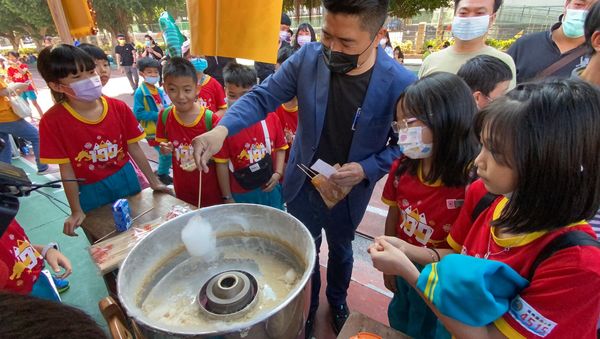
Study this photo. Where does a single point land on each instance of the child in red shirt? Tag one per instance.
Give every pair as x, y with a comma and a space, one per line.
288, 111
19, 72
426, 187
89, 136
539, 161
25, 262
248, 152
178, 125
212, 95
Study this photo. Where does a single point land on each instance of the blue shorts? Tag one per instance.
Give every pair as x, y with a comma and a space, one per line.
29, 95
257, 196
119, 185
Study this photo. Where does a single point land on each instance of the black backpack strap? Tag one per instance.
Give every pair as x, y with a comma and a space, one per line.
563, 241
482, 205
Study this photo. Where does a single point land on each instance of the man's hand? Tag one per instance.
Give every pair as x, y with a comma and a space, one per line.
207, 144
348, 175
56, 260
72, 222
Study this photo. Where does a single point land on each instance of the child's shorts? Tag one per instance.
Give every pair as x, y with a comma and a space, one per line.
29, 95
119, 185
257, 196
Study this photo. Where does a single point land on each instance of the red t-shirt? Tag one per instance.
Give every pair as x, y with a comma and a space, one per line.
15, 75
289, 122
95, 149
186, 182
212, 94
248, 147
24, 263
427, 211
563, 298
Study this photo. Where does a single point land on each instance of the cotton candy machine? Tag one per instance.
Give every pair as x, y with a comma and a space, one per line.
254, 285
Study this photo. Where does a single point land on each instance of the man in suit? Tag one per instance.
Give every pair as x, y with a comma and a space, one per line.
347, 90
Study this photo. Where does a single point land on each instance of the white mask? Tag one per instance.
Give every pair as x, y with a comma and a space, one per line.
411, 143
469, 28
303, 39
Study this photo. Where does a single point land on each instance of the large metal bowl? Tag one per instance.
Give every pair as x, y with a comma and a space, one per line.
160, 251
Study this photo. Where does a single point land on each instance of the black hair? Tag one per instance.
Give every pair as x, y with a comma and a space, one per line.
96, 52
148, 36
147, 62
239, 75
372, 13
429, 46
179, 67
24, 316
444, 103
285, 20
388, 42
592, 25
484, 72
548, 134
13, 53
304, 27
284, 53
497, 4
55, 63
400, 54
120, 35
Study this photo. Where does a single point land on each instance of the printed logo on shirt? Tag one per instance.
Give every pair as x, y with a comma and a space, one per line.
253, 152
103, 153
184, 153
204, 103
415, 224
530, 318
26, 259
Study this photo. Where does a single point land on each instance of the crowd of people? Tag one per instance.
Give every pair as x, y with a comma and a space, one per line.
491, 159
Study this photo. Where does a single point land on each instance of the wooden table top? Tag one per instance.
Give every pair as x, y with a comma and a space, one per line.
99, 222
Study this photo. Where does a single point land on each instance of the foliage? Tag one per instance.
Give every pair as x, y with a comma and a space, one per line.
25, 18
502, 45
409, 8
437, 43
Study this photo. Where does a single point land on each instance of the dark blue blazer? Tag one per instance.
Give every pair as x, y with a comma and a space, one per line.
306, 76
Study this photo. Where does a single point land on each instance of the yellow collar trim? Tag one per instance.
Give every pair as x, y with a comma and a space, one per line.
291, 110
84, 120
437, 183
518, 240
194, 123
206, 79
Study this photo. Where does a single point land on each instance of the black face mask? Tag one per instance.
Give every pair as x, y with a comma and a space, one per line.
339, 62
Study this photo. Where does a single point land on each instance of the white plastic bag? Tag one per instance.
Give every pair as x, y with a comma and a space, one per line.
19, 105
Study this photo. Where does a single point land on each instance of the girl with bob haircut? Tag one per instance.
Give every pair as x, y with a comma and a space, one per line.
426, 186
89, 136
540, 160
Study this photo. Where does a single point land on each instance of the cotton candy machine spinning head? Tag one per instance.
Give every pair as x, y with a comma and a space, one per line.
253, 284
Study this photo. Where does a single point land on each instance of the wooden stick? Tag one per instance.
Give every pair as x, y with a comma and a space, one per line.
199, 187
310, 173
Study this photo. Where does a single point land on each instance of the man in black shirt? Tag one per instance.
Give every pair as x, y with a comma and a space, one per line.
347, 89
126, 60
535, 54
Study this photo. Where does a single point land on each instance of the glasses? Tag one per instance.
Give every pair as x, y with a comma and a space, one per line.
402, 125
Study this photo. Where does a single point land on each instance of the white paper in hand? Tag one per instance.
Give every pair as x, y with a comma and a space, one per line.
324, 168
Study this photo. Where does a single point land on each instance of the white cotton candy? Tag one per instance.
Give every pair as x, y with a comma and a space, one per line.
199, 238
290, 276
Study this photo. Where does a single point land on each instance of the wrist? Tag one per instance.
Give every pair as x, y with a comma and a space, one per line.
50, 246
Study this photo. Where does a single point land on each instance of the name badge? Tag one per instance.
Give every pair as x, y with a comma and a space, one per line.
452, 204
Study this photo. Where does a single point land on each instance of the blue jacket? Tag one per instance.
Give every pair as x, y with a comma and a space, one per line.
146, 110
306, 76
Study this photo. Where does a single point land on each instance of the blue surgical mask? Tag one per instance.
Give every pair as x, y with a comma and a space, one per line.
573, 22
470, 28
200, 64
151, 80
148, 43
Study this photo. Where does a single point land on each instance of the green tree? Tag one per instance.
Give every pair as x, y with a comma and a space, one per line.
20, 18
409, 8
